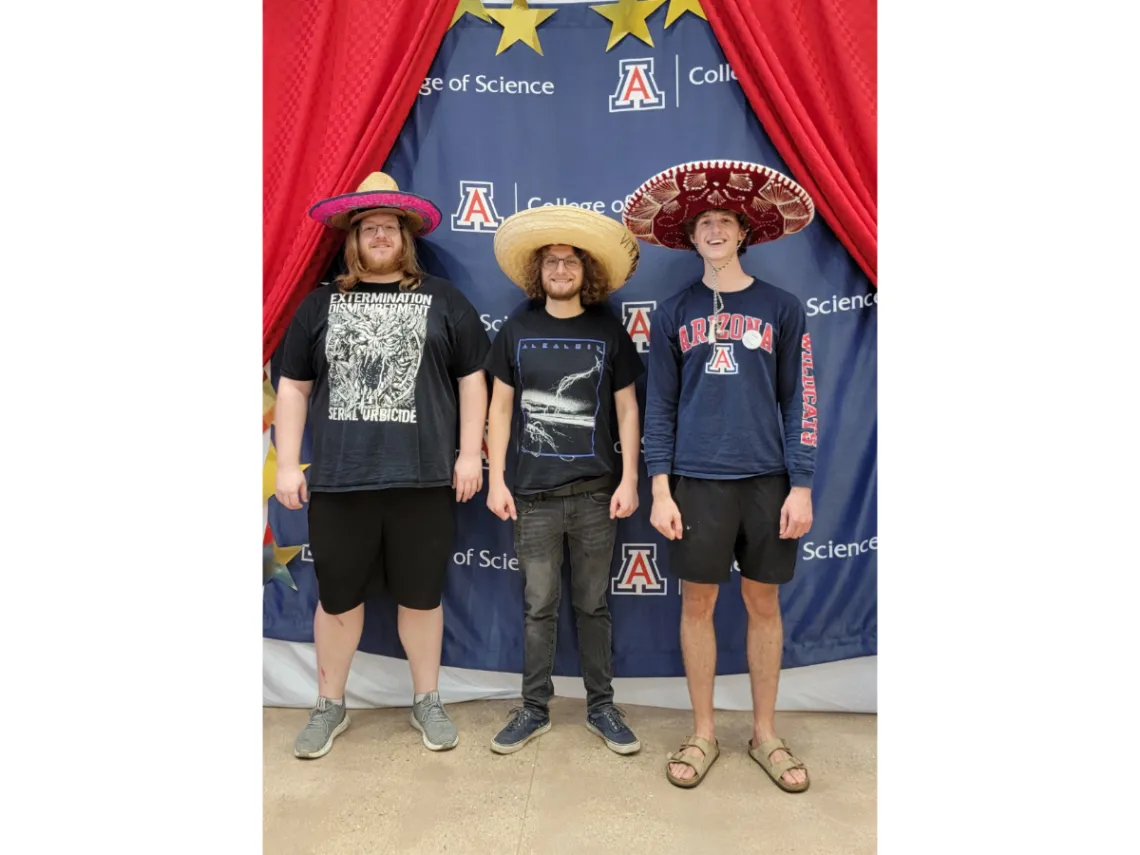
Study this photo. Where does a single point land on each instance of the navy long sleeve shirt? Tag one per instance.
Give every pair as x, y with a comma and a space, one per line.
744, 406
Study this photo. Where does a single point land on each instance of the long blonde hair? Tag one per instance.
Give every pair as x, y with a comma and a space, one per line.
355, 270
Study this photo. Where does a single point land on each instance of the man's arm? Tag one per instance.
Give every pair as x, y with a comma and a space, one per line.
499, 498
468, 478
796, 390
625, 501
662, 391
288, 428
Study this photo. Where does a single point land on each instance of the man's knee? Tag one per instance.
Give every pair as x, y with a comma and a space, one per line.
761, 600
698, 601
543, 589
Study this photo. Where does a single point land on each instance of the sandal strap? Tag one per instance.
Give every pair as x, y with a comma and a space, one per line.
700, 742
778, 769
767, 747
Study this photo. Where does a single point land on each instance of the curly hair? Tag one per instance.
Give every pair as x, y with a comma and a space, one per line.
355, 270
691, 227
595, 287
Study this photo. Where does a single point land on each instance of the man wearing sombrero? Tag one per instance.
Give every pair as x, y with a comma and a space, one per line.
730, 432
370, 361
562, 364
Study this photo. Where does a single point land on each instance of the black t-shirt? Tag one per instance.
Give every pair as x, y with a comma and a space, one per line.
564, 372
384, 406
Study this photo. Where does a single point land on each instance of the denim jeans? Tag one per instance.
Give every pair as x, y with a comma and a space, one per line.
541, 524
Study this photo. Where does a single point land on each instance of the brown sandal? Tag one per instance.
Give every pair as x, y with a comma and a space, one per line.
763, 756
709, 753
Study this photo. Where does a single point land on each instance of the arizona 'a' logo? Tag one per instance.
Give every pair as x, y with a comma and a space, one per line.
636, 89
476, 211
636, 318
722, 361
638, 573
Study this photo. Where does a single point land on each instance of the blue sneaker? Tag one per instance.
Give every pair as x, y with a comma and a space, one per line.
607, 722
526, 723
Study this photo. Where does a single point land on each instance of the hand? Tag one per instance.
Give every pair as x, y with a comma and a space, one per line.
666, 517
468, 476
292, 488
624, 502
501, 502
795, 516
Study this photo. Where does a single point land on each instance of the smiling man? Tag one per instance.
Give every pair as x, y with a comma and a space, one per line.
728, 439
371, 362
565, 364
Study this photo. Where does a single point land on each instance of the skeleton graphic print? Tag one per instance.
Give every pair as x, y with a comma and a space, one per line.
373, 347
561, 386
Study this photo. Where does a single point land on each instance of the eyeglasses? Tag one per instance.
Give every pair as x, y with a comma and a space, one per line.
573, 263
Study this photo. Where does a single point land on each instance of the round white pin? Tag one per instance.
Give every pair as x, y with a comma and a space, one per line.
752, 339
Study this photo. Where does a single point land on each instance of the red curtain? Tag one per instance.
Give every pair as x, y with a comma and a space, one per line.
809, 70
340, 78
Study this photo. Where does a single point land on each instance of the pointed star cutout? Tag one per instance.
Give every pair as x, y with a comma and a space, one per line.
677, 8
473, 7
628, 19
520, 24
275, 560
269, 474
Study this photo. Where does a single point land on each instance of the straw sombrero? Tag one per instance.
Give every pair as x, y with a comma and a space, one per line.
378, 192
607, 240
771, 203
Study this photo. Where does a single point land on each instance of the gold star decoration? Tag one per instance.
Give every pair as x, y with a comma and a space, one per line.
269, 474
677, 8
473, 7
628, 19
275, 562
520, 24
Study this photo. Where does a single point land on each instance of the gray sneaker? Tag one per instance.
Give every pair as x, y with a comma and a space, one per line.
430, 719
326, 722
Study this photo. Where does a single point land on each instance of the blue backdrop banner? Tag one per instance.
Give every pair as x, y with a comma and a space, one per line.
491, 135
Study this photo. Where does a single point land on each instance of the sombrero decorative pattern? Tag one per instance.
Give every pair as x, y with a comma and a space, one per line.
773, 204
607, 240
378, 191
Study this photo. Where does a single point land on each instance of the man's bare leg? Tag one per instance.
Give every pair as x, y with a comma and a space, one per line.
421, 634
698, 647
765, 652
336, 638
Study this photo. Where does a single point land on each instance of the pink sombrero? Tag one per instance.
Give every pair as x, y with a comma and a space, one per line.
771, 203
378, 191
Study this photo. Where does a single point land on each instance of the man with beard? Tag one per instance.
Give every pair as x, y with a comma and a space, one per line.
371, 361
563, 363
730, 432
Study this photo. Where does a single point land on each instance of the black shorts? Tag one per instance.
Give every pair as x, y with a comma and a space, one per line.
370, 542
721, 519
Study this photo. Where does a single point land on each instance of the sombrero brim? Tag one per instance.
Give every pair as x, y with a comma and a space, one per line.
607, 240
423, 216
773, 204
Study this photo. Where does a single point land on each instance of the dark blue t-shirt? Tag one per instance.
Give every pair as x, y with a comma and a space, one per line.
383, 410
564, 372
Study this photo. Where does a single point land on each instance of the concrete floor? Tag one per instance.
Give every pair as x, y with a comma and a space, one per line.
379, 791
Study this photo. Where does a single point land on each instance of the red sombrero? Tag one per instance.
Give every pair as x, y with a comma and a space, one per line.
771, 203
378, 191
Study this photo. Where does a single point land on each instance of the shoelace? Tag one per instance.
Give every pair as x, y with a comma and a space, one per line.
521, 715
613, 717
433, 711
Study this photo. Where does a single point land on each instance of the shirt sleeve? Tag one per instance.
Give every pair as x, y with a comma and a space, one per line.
297, 351
662, 390
627, 361
500, 359
470, 344
795, 386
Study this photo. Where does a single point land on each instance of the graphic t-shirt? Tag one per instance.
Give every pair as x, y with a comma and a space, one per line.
742, 406
384, 364
564, 372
